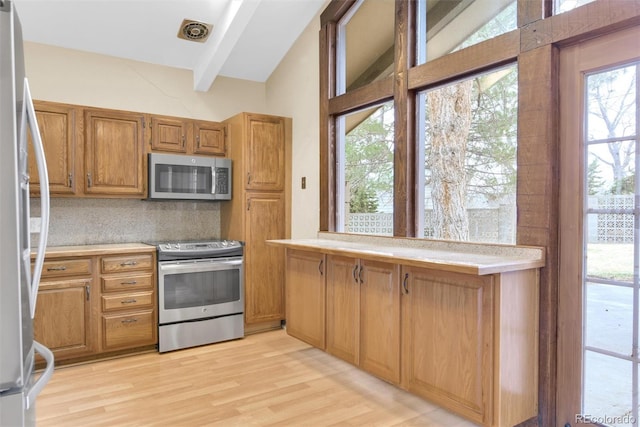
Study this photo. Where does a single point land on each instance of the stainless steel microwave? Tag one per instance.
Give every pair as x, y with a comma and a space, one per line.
182, 177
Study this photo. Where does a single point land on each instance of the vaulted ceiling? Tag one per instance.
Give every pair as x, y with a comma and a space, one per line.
247, 41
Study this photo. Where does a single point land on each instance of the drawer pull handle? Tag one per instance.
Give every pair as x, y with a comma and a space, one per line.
60, 268
128, 263
131, 282
125, 321
129, 301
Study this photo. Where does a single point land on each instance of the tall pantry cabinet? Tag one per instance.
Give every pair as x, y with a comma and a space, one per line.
260, 148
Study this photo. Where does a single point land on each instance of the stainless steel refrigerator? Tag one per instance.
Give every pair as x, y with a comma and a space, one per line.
19, 383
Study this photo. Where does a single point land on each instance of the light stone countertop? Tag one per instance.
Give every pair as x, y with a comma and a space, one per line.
89, 250
461, 257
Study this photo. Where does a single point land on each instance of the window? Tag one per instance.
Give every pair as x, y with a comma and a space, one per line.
365, 161
567, 5
611, 283
365, 51
447, 26
469, 141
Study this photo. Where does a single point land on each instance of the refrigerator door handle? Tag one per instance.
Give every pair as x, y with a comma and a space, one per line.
44, 192
45, 376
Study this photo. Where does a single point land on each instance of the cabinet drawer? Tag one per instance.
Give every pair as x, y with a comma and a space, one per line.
128, 330
126, 263
127, 301
127, 283
66, 267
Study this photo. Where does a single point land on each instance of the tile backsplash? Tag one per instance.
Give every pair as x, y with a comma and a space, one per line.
96, 221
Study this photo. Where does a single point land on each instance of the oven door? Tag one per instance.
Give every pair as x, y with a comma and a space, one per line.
198, 289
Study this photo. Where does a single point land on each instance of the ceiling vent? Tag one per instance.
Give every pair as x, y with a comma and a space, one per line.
194, 30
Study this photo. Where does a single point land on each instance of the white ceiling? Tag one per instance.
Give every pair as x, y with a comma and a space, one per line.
248, 40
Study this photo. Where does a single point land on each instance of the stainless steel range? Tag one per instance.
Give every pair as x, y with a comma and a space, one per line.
200, 293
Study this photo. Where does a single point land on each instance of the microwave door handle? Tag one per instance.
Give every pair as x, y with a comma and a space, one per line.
44, 194
213, 180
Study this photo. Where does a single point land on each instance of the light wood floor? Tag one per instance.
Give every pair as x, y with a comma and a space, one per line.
264, 379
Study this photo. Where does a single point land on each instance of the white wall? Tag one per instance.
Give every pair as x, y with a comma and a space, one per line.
293, 90
75, 77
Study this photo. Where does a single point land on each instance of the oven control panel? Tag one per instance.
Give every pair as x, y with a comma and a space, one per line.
199, 246
199, 249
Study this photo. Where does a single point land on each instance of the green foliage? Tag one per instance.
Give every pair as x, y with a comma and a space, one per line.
594, 180
369, 160
492, 144
363, 201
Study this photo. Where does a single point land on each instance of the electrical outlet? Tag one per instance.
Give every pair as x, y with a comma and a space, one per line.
304, 182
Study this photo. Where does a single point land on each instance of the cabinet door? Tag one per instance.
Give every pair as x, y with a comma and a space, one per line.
63, 317
209, 138
169, 134
265, 153
114, 161
343, 307
264, 265
447, 340
305, 296
380, 319
57, 124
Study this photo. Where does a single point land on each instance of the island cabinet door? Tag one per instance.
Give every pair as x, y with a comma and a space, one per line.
343, 308
447, 340
305, 296
380, 319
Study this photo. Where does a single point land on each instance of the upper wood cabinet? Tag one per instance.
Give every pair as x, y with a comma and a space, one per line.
57, 124
259, 143
178, 135
265, 147
169, 134
95, 152
114, 160
209, 138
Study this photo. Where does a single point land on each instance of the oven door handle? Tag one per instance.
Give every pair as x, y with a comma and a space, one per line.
175, 267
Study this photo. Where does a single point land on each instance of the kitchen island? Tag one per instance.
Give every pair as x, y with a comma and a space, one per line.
453, 322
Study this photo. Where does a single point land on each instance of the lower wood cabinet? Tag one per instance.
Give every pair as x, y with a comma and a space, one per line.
128, 301
467, 342
128, 329
363, 314
305, 296
264, 215
447, 339
97, 304
63, 320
